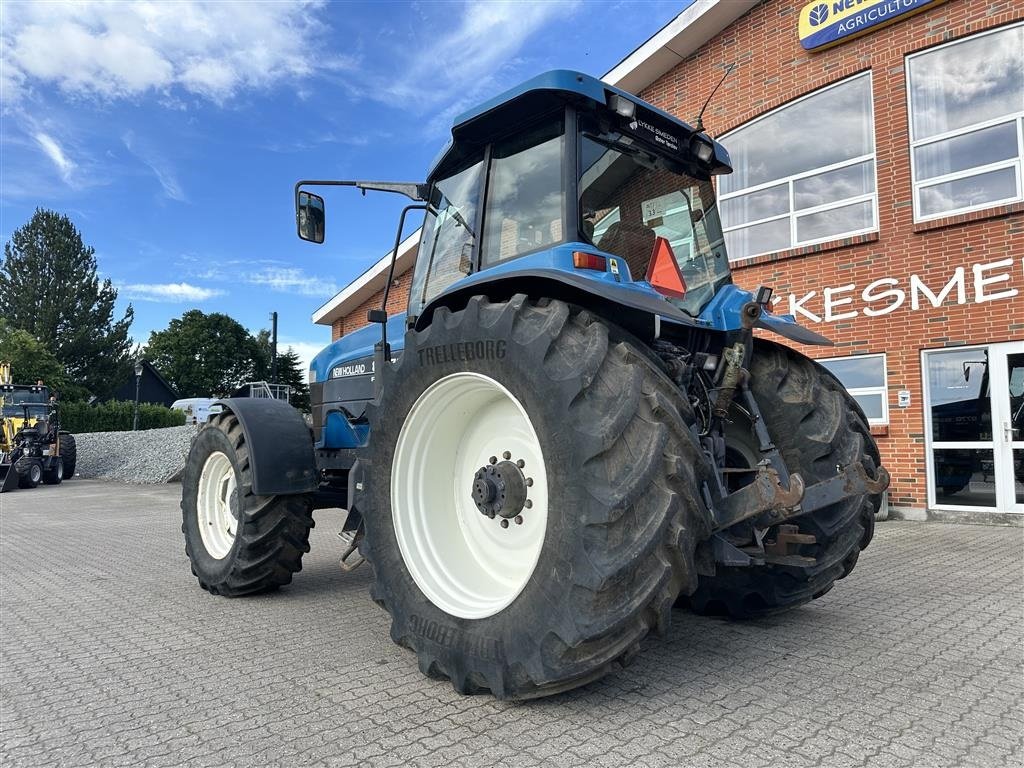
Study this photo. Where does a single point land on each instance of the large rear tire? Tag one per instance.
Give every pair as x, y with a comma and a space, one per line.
530, 581
817, 426
238, 543
69, 452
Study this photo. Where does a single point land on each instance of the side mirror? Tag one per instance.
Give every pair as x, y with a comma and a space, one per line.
309, 217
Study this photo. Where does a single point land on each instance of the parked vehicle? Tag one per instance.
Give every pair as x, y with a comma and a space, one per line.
33, 448
197, 409
573, 424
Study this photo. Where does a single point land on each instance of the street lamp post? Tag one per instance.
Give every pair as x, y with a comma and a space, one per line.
138, 382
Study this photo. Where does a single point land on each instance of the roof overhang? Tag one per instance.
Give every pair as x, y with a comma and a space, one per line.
368, 283
687, 32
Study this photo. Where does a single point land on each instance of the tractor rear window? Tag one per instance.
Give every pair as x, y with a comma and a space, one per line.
524, 194
629, 197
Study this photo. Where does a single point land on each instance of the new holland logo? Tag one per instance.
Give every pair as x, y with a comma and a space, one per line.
824, 24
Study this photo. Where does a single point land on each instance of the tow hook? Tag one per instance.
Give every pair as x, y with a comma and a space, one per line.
350, 558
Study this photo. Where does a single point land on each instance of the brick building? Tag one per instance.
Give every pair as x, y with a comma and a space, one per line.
878, 188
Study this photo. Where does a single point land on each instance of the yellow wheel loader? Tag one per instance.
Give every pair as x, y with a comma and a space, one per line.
33, 448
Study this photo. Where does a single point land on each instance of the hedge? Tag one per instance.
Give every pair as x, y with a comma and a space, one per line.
116, 416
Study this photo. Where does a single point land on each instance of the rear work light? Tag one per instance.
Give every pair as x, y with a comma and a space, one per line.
663, 271
584, 260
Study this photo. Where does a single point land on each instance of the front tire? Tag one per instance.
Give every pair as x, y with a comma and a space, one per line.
608, 525
817, 426
30, 473
238, 543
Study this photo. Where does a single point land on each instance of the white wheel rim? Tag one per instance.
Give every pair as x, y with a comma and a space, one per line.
217, 494
463, 561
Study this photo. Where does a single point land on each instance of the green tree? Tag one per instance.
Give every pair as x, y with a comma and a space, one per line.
204, 355
31, 361
290, 370
49, 288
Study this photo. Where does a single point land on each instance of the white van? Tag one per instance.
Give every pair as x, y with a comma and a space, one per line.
197, 409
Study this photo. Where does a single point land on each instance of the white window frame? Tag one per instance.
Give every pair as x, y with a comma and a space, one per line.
794, 214
1015, 163
882, 390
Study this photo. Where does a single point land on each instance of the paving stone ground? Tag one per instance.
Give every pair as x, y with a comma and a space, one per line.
111, 655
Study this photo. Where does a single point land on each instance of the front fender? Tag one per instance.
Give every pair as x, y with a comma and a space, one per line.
279, 444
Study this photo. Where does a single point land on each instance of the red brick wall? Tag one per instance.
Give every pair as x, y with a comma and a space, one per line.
398, 298
773, 69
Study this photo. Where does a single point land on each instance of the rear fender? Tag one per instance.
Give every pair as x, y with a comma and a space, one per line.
280, 446
638, 311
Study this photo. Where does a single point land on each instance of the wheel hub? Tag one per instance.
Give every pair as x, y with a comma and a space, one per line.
499, 489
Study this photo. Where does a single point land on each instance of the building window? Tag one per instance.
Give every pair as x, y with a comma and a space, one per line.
864, 377
967, 123
803, 174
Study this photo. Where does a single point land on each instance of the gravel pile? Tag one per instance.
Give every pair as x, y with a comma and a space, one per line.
148, 456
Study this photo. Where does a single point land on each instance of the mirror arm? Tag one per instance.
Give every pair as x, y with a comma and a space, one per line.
415, 191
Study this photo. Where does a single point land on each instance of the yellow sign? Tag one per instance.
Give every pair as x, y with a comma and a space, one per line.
824, 23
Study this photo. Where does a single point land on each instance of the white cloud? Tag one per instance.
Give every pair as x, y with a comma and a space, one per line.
462, 63
159, 165
292, 280
56, 153
168, 292
117, 50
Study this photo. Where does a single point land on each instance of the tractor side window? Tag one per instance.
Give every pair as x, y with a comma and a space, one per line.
525, 200
446, 245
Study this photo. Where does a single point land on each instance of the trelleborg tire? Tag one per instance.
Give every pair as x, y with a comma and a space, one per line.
238, 543
612, 515
817, 426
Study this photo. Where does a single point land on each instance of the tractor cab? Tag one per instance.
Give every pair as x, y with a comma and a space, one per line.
24, 403
565, 161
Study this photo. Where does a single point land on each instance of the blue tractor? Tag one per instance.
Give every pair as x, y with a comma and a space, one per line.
572, 428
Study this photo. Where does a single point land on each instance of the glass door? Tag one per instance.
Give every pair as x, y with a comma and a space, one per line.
1008, 363
974, 421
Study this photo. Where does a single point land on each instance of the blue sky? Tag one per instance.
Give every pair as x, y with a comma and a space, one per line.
172, 132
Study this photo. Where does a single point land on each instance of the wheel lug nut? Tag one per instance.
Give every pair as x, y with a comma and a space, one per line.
493, 459
519, 519
504, 523
520, 463
506, 455
529, 482
528, 504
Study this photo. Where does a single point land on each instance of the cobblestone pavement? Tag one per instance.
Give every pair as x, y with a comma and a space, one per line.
112, 655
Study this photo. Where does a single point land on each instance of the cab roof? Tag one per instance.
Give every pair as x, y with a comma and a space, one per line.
558, 86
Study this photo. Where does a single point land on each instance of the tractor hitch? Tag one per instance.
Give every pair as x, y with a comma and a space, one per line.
768, 501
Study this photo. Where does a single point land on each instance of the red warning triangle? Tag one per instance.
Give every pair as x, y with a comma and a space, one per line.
663, 270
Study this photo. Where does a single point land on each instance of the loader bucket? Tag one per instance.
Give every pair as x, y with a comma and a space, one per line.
8, 478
